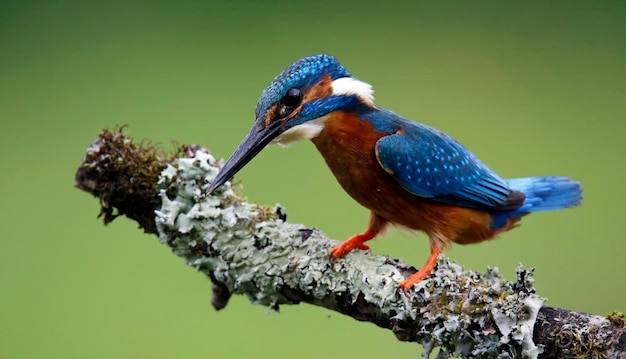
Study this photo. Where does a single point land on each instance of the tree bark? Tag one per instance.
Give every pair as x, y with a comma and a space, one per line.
252, 250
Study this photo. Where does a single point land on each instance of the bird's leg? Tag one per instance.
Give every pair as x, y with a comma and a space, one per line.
426, 269
376, 225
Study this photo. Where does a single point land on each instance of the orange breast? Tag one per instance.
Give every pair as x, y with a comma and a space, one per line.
347, 143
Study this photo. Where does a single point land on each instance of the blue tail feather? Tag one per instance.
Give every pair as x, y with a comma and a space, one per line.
542, 194
547, 193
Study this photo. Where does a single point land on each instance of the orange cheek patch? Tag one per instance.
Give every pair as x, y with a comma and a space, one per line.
271, 114
321, 90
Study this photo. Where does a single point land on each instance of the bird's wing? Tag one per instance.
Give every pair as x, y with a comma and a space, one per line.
431, 164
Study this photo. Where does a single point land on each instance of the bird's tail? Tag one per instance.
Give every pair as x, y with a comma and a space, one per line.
546, 193
542, 194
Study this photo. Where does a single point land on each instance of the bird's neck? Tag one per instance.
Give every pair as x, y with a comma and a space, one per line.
346, 134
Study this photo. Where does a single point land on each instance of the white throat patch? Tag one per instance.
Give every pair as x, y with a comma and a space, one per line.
351, 86
305, 131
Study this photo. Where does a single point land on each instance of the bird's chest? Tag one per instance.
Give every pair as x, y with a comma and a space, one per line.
348, 147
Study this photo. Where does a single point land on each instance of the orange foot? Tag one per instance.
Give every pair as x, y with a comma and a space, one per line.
356, 241
424, 272
376, 225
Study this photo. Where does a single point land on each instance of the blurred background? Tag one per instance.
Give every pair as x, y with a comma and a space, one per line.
533, 88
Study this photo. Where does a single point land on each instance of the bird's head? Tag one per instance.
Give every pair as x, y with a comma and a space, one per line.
294, 107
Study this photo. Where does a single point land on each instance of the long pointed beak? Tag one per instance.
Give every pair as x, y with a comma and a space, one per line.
251, 145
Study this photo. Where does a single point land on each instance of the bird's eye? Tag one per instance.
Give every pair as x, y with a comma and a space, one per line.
293, 97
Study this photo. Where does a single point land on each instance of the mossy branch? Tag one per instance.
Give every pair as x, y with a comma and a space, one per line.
251, 250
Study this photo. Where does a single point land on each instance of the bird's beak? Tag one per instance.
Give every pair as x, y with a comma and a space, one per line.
258, 137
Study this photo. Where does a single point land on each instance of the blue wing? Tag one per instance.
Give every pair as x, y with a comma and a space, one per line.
431, 164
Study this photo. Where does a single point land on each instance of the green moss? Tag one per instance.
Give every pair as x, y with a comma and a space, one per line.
617, 318
123, 175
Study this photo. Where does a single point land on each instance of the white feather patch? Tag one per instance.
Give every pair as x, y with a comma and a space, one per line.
351, 86
304, 131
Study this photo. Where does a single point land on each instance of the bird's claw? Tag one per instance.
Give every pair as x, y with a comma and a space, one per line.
345, 248
408, 284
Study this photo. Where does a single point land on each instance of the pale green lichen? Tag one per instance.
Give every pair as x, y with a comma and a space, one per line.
253, 252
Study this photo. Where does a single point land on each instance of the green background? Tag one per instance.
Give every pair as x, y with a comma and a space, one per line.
533, 88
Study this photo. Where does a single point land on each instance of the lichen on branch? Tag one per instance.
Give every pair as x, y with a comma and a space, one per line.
250, 249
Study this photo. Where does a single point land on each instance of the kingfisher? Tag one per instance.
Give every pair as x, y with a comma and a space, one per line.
406, 173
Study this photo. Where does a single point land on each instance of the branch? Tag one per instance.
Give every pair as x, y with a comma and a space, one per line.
250, 249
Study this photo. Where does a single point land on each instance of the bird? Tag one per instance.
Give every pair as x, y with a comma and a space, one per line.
406, 173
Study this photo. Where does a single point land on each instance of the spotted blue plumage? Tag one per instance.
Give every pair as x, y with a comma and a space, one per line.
431, 164
303, 74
